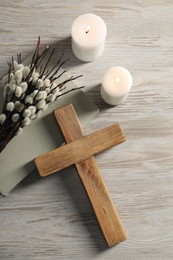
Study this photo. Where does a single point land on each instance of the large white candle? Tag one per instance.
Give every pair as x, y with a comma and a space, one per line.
88, 36
116, 84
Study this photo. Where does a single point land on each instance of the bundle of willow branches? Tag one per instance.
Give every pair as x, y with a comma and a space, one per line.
28, 90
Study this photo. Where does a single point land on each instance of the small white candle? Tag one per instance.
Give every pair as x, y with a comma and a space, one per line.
88, 36
116, 84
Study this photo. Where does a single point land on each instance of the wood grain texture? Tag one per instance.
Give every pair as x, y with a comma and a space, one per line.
88, 171
51, 218
79, 150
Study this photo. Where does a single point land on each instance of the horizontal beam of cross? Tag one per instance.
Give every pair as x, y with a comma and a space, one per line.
79, 150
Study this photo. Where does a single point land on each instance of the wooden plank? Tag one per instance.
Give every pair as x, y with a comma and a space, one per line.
79, 150
92, 180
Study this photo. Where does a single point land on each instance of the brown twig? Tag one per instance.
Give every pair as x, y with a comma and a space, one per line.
9, 128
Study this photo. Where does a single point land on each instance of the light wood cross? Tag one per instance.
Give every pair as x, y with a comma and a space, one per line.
80, 150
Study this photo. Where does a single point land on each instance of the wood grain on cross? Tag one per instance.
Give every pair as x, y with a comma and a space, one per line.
80, 150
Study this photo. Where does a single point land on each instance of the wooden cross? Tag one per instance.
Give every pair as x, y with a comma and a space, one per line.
80, 150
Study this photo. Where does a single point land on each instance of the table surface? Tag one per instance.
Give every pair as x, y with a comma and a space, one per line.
51, 218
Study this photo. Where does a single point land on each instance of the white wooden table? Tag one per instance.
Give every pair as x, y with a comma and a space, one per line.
51, 218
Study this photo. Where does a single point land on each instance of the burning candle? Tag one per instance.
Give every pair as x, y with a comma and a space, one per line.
88, 36
116, 84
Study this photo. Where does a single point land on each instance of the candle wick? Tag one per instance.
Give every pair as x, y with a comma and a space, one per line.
87, 29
